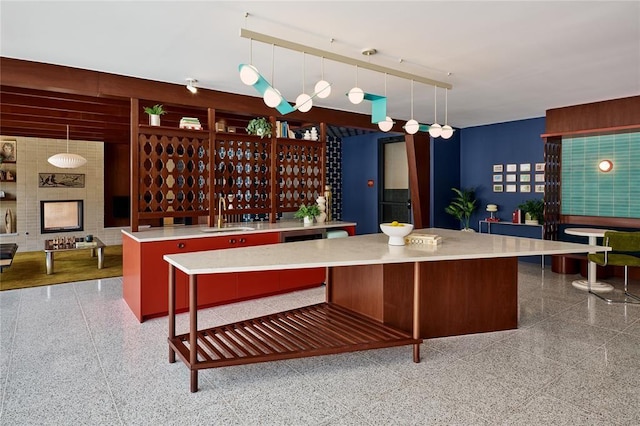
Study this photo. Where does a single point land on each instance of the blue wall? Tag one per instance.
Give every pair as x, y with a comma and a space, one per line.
359, 164
481, 147
445, 174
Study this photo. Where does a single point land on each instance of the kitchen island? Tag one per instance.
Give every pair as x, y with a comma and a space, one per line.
145, 273
362, 309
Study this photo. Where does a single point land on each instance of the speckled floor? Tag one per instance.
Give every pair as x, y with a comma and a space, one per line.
74, 354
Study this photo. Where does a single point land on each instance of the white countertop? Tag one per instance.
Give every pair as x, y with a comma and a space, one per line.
368, 250
199, 231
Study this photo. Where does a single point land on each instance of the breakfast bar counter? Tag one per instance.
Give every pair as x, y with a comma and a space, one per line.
376, 296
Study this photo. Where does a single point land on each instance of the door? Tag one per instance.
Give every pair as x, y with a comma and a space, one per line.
394, 198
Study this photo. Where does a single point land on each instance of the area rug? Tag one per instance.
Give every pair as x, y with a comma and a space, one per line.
28, 268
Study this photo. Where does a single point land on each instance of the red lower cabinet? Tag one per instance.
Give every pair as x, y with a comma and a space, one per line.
291, 279
252, 284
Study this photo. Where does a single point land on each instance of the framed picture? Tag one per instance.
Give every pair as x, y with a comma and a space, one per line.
497, 188
511, 188
512, 167
497, 168
539, 177
525, 178
511, 178
525, 167
60, 180
539, 188
9, 175
497, 178
8, 151
525, 188
539, 167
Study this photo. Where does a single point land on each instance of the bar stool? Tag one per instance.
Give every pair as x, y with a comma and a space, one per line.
625, 252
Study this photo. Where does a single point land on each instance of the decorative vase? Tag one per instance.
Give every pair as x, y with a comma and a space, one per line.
154, 120
321, 201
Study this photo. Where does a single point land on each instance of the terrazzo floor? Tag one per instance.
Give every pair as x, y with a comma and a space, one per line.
74, 354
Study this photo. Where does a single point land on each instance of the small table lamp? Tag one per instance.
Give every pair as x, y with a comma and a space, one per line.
492, 208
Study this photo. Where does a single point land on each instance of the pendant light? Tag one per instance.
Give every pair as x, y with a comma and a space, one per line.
356, 94
272, 96
412, 125
67, 160
323, 87
387, 124
303, 101
435, 129
248, 73
447, 131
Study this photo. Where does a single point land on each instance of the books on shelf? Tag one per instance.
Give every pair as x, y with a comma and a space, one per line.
283, 130
190, 123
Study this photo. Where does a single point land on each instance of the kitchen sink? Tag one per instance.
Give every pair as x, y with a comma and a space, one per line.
227, 229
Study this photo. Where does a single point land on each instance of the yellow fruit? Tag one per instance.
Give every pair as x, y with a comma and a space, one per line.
395, 223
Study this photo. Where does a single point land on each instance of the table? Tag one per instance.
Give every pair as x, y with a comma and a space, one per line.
590, 284
501, 223
357, 317
50, 247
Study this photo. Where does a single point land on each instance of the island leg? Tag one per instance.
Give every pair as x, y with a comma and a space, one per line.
172, 311
416, 311
193, 330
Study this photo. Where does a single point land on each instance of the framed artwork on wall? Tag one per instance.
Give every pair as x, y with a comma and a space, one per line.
497, 188
511, 188
525, 188
60, 180
539, 188
525, 178
8, 151
525, 167
512, 167
539, 167
539, 177
497, 178
511, 178
497, 168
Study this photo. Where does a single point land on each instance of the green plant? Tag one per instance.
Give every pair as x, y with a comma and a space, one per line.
535, 209
311, 210
157, 109
259, 126
463, 205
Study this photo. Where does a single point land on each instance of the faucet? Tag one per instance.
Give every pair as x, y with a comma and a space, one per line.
222, 206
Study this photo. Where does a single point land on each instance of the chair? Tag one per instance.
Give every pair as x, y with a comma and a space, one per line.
625, 252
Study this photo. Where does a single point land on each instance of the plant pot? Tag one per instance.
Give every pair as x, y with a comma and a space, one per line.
154, 120
308, 220
531, 221
468, 230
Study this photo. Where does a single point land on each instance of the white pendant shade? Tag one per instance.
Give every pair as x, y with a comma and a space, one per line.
356, 95
249, 74
447, 131
67, 161
435, 130
272, 97
412, 127
386, 125
323, 89
303, 102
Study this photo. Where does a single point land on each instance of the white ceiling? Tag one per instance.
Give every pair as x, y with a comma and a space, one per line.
508, 60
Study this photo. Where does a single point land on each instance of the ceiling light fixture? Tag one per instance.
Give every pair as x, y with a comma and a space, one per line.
387, 124
412, 126
191, 85
272, 96
248, 73
323, 87
447, 131
67, 160
356, 94
303, 101
435, 129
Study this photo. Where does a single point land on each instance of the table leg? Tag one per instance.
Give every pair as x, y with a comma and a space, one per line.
49, 262
416, 311
193, 330
590, 284
172, 311
100, 257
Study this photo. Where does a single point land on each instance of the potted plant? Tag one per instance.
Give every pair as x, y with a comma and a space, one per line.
259, 126
534, 211
462, 206
307, 213
154, 114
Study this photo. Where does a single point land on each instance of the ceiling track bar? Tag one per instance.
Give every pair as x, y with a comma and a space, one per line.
252, 35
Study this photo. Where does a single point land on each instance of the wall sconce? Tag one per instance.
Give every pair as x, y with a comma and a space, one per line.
191, 85
605, 166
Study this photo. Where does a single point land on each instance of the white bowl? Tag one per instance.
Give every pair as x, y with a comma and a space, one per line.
396, 233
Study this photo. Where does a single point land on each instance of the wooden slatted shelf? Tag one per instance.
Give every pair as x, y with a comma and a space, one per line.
320, 329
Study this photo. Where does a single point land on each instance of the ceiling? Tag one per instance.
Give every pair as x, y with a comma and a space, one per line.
506, 60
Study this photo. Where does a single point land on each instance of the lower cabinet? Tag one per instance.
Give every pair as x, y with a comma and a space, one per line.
146, 275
